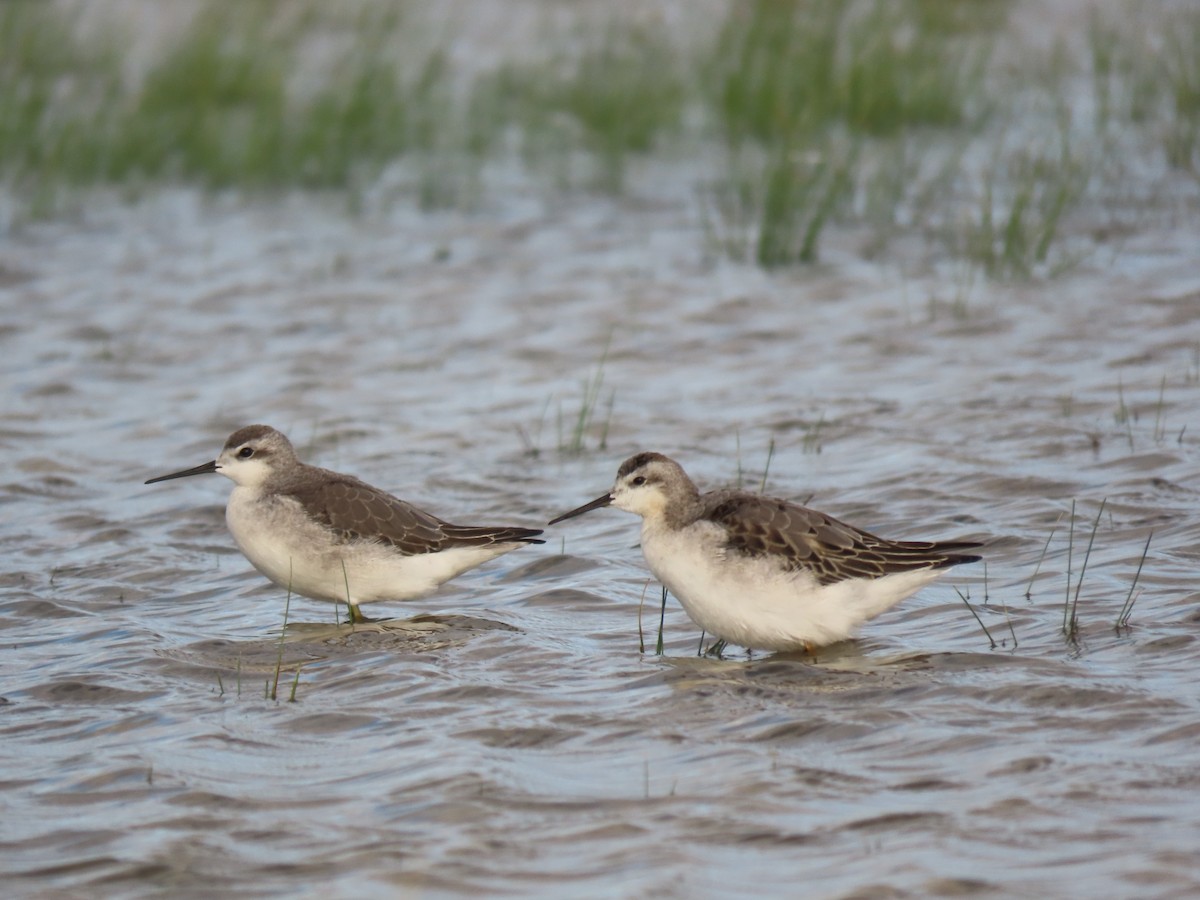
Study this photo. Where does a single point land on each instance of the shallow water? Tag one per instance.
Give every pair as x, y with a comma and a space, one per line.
517, 741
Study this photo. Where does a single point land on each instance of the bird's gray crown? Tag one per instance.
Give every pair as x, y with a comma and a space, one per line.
636, 462
256, 432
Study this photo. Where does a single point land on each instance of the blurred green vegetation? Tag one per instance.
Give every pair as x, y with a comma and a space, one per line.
1181, 63
803, 112
785, 70
617, 98
55, 93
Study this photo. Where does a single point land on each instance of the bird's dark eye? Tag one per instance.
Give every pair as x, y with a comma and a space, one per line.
245, 453
639, 481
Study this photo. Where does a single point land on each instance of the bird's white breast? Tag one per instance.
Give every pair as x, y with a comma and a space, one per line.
298, 553
756, 602
280, 540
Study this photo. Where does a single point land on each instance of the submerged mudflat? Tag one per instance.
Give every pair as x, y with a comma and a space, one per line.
995, 335
518, 741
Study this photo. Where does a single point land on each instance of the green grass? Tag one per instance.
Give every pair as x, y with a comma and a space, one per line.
57, 95
772, 70
575, 429
800, 194
617, 98
1125, 82
798, 114
1024, 197
215, 109
1181, 67
812, 435
782, 70
224, 110
774, 211
1150, 82
223, 107
572, 436
808, 85
368, 119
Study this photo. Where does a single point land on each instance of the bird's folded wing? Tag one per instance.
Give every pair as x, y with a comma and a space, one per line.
360, 512
803, 539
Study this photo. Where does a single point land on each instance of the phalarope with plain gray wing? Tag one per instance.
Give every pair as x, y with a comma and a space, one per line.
764, 573
332, 537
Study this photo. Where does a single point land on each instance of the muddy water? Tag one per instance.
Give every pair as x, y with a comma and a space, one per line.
512, 738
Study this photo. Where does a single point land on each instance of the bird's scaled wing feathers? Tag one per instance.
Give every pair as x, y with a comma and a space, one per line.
356, 511
832, 551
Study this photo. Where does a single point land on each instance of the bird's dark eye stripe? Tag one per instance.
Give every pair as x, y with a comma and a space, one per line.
245, 453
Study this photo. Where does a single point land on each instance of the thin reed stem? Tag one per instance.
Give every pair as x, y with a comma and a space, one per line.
1038, 567
1160, 426
1127, 608
641, 605
963, 598
762, 487
662, 617
349, 605
279, 658
737, 440
1083, 569
1070, 554
1003, 606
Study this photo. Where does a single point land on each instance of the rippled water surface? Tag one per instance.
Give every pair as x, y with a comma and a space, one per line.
512, 739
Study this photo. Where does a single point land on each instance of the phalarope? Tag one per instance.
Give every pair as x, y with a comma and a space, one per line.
332, 537
764, 573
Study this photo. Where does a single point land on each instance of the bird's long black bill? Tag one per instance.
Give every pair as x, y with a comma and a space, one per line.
198, 470
598, 503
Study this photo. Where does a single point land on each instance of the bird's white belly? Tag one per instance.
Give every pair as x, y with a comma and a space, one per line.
755, 602
301, 555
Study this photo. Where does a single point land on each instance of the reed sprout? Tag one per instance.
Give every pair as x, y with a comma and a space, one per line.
1072, 626
991, 641
1070, 556
1131, 598
282, 634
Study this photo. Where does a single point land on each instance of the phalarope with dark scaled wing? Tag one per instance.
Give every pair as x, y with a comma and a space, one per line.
765, 573
332, 537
